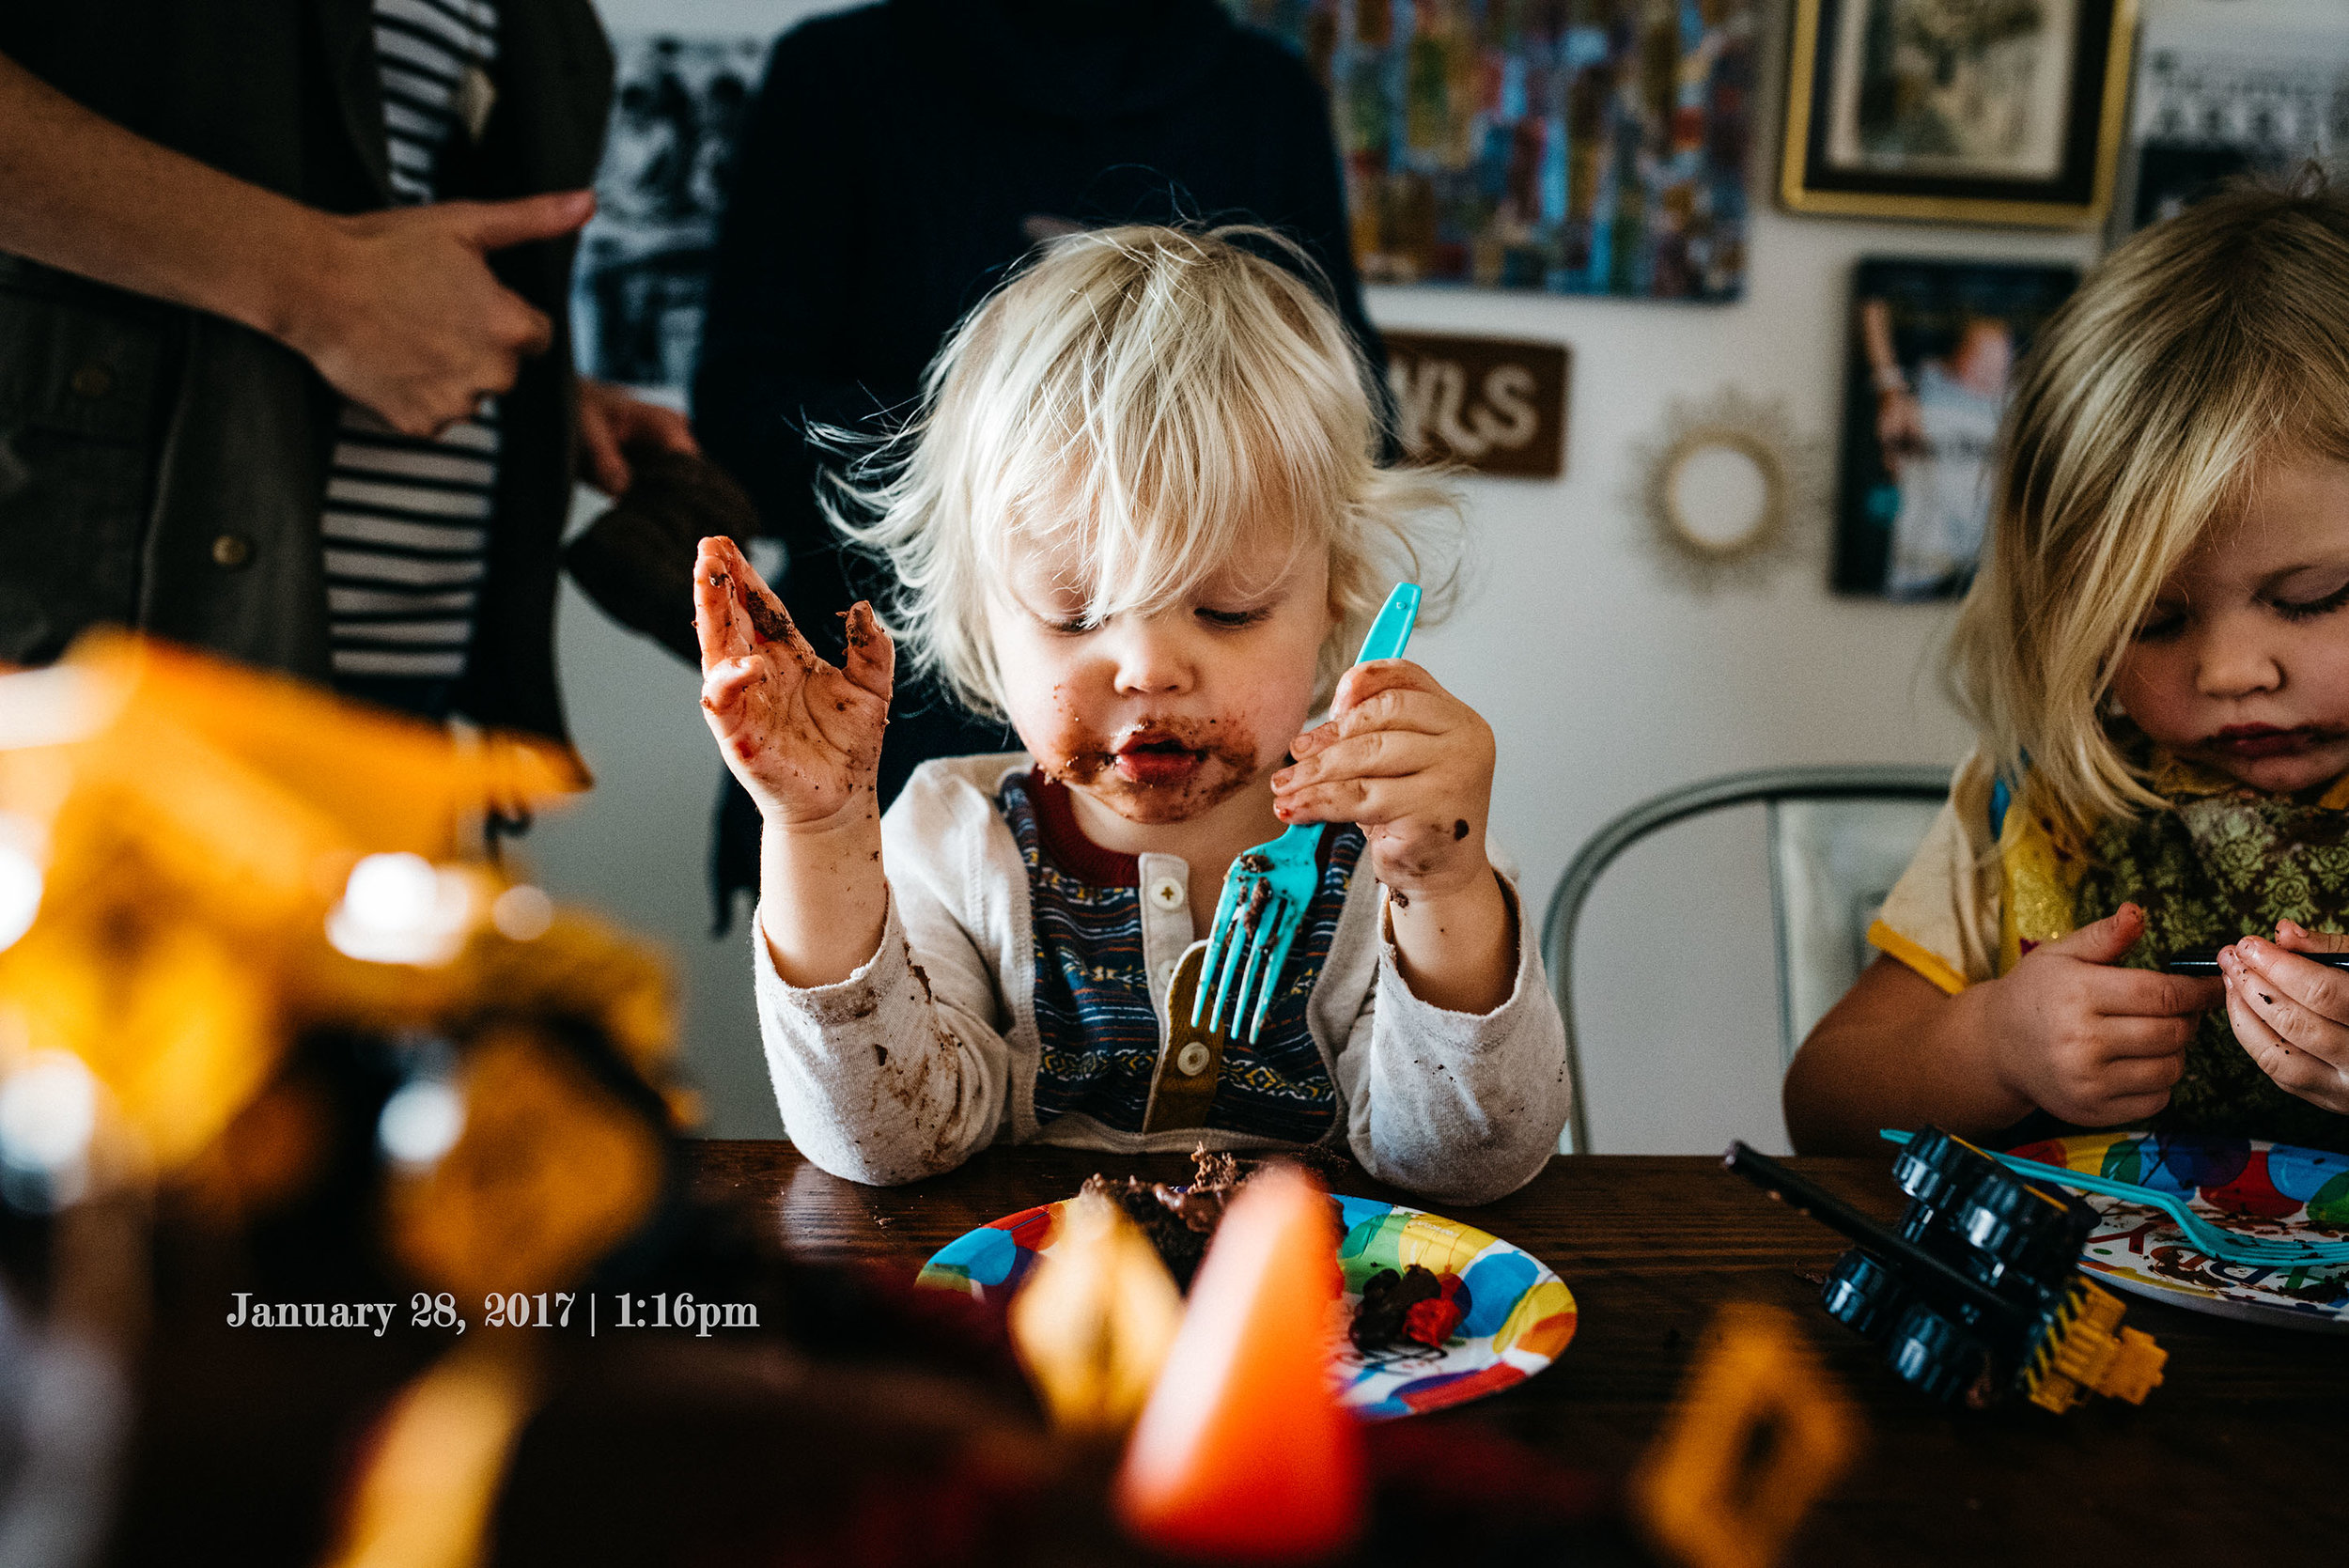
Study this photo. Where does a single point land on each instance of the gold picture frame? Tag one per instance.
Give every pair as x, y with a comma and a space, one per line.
2018, 122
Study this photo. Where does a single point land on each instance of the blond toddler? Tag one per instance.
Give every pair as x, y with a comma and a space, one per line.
1140, 517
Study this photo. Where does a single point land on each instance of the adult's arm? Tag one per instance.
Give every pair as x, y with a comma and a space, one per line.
397, 309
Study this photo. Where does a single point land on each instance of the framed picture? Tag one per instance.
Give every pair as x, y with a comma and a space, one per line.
644, 260
1934, 348
1957, 111
2216, 101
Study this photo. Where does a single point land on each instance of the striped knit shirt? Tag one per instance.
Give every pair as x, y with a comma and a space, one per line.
1097, 1028
406, 519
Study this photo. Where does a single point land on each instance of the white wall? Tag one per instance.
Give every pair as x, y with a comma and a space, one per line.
1606, 680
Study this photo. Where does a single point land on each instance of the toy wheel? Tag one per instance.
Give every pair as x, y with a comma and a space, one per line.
1936, 1170
2025, 1230
1863, 1295
1935, 1355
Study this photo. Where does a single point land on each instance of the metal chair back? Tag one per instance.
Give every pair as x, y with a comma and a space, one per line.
1817, 952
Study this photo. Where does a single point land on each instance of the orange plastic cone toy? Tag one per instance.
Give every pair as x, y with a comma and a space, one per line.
1242, 1453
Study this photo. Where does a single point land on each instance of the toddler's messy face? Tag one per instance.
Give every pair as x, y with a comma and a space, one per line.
1160, 718
2243, 664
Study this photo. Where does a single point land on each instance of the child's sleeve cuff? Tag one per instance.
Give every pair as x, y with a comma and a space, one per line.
1917, 956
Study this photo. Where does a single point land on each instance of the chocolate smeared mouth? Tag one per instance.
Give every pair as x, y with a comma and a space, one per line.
1160, 767
1155, 743
2257, 741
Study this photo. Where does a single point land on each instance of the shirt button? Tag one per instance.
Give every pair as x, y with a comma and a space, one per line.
1167, 893
232, 551
92, 380
1192, 1059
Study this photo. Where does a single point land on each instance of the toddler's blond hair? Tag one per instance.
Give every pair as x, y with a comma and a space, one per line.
1149, 396
2203, 348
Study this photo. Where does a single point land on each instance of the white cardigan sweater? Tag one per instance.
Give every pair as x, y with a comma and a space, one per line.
928, 1051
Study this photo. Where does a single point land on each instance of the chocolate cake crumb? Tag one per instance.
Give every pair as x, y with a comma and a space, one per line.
1179, 1220
767, 618
1459, 829
1415, 1308
1387, 1298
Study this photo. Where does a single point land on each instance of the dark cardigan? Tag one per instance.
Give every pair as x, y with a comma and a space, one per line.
162, 468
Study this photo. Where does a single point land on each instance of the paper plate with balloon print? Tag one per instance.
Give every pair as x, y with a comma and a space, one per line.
1519, 1314
2260, 1188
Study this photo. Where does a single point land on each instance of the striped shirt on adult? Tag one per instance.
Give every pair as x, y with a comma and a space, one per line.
406, 519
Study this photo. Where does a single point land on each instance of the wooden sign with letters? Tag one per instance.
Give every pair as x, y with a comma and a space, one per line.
1495, 405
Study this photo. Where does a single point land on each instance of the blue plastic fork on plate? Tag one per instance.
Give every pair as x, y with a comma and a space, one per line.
2212, 1241
1266, 892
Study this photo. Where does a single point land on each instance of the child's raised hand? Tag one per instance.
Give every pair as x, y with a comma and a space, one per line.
804, 736
2084, 1041
2291, 1015
1409, 762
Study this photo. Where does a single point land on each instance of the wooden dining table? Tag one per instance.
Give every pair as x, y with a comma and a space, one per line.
2241, 1455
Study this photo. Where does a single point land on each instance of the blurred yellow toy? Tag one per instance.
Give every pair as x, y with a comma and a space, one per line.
197, 861
1760, 1434
1094, 1325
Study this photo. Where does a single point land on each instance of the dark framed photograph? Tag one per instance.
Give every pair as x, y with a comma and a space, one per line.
644, 260
1957, 111
2218, 101
1933, 353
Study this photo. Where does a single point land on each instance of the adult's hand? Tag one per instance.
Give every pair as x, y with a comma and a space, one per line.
397, 308
612, 424
408, 320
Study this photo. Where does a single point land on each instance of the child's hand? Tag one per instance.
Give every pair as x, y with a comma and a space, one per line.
2291, 1015
2086, 1042
803, 737
1413, 764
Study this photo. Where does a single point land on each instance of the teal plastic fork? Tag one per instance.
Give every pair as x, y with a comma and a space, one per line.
1266, 892
2212, 1241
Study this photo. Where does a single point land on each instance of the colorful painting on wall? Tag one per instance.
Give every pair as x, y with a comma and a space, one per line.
1577, 146
1934, 349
